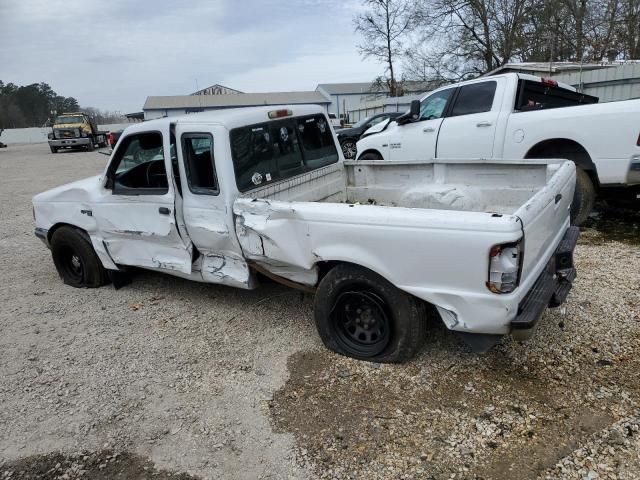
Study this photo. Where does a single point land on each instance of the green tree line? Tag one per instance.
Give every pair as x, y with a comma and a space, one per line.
31, 105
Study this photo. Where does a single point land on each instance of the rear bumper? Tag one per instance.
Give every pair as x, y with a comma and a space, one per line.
69, 142
551, 287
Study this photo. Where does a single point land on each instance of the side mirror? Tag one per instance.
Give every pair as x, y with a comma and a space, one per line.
414, 110
412, 115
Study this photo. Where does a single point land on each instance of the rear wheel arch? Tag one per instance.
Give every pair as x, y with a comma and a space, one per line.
557, 147
587, 182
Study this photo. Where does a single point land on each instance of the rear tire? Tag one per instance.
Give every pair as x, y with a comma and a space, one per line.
361, 315
75, 259
583, 198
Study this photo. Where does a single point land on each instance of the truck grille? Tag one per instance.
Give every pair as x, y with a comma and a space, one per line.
66, 133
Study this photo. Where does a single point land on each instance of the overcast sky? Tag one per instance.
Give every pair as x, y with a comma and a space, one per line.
112, 54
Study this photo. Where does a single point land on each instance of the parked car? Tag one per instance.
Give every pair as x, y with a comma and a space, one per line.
519, 116
219, 197
349, 136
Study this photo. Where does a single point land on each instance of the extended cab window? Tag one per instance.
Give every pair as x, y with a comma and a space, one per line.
197, 150
433, 106
138, 166
474, 98
280, 149
543, 95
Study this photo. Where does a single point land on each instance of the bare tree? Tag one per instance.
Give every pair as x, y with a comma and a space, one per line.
462, 38
384, 25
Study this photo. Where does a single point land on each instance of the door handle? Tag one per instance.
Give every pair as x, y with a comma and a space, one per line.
428, 129
483, 124
164, 210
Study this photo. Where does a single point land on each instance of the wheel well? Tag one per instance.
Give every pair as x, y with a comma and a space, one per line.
371, 150
58, 225
565, 148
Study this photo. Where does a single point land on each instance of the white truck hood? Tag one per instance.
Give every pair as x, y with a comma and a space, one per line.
78, 191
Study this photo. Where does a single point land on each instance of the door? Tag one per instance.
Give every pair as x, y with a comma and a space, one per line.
207, 220
135, 212
417, 140
469, 129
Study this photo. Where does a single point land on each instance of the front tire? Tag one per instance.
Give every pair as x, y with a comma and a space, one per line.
53, 149
75, 259
361, 315
349, 149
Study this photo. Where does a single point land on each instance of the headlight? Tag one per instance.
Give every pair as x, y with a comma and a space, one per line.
50, 136
84, 134
504, 267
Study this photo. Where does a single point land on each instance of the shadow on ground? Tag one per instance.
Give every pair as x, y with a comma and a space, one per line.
101, 465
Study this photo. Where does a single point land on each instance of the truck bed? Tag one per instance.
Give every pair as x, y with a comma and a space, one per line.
493, 186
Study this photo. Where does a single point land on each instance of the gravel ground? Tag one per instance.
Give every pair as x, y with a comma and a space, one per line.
166, 378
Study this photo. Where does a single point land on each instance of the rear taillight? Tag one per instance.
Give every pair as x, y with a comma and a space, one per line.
504, 267
638, 142
111, 142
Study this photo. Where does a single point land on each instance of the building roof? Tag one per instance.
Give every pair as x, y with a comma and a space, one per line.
233, 100
346, 88
410, 86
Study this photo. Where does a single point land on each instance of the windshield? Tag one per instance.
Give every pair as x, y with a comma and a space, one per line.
70, 119
362, 122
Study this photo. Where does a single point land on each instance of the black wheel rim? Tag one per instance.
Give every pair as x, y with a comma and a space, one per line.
72, 265
349, 149
362, 323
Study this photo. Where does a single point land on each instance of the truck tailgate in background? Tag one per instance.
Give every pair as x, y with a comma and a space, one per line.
545, 217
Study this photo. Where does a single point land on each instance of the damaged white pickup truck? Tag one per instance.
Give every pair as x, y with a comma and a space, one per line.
222, 196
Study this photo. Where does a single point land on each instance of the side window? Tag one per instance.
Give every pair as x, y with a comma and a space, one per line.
138, 165
474, 98
318, 147
197, 150
433, 106
275, 150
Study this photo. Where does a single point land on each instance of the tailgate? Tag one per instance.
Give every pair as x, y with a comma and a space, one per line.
545, 218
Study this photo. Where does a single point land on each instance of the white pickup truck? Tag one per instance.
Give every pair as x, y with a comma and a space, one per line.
519, 116
221, 197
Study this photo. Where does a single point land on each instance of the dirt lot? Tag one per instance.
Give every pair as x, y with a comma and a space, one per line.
171, 379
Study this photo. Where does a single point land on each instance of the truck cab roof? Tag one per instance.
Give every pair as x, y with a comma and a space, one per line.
229, 117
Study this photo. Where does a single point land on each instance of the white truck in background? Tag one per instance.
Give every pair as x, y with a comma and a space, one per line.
518, 116
220, 197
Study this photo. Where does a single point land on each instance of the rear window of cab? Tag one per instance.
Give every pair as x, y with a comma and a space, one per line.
279, 149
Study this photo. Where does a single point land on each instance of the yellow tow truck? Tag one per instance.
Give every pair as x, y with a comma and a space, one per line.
75, 130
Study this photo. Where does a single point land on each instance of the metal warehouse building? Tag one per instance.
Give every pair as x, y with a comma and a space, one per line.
170, 106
